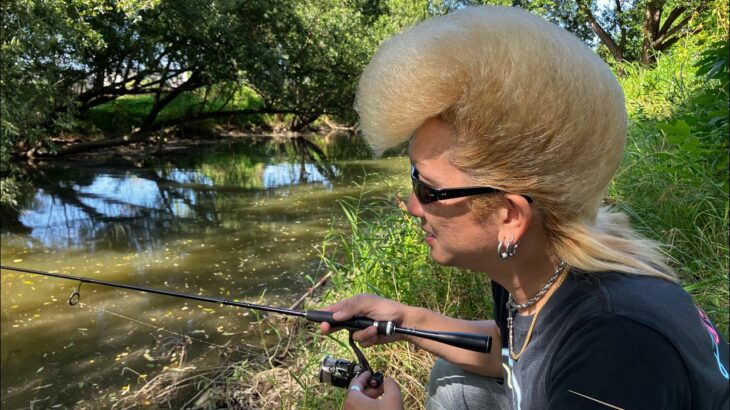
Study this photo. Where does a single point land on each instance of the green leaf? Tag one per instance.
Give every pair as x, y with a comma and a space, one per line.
675, 133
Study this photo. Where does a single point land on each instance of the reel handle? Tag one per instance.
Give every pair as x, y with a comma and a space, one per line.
375, 380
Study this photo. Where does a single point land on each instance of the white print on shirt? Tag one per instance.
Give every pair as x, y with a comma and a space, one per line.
512, 383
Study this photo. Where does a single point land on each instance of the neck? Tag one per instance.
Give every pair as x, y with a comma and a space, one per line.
524, 276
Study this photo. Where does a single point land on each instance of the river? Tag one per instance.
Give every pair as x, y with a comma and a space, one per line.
242, 220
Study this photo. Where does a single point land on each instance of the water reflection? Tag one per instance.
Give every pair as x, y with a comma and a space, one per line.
88, 204
236, 221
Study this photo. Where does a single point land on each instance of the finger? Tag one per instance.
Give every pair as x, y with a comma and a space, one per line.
356, 305
358, 382
359, 401
391, 391
368, 333
370, 342
334, 307
325, 328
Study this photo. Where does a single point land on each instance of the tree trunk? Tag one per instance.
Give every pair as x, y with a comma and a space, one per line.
616, 51
301, 121
650, 28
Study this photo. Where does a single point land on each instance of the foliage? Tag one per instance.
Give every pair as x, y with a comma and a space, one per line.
62, 59
124, 114
674, 179
634, 31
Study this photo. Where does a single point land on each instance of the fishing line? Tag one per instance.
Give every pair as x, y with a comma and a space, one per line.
163, 329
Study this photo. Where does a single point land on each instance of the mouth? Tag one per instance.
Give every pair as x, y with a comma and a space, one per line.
428, 234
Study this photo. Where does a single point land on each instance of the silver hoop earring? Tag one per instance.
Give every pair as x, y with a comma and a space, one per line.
509, 250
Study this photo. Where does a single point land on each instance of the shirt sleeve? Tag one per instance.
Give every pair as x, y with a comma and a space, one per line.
614, 362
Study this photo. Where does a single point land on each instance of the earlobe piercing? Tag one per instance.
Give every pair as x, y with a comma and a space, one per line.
509, 249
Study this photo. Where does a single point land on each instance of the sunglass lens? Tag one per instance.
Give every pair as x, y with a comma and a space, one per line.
421, 193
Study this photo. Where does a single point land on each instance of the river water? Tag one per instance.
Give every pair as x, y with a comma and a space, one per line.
241, 220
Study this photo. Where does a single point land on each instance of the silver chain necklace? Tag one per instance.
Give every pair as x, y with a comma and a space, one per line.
511, 305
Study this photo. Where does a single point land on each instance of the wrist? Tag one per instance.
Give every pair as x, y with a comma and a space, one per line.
416, 318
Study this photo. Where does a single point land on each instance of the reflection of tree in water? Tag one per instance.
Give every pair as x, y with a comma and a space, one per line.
126, 206
310, 152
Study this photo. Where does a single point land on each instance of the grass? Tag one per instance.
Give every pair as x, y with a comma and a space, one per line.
674, 178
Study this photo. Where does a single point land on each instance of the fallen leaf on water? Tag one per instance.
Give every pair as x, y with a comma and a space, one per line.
43, 387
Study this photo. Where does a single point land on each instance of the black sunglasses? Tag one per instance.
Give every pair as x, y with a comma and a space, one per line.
426, 193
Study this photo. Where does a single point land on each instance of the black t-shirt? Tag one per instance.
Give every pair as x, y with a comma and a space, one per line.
610, 340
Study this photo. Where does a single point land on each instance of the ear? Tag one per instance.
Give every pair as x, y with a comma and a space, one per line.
514, 218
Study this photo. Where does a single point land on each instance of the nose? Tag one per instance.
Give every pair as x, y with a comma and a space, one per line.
414, 207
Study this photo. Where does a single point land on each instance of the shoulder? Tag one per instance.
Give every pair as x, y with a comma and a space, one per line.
658, 304
625, 330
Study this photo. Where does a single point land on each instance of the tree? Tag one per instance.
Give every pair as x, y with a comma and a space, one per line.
62, 58
630, 30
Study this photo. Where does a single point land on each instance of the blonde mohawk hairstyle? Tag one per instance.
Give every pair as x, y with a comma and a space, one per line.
535, 112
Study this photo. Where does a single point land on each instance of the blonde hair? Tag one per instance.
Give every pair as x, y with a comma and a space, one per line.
535, 112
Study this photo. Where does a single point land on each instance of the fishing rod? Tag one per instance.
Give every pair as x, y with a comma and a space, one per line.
338, 372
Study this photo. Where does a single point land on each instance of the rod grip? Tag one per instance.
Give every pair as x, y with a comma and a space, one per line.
468, 341
357, 322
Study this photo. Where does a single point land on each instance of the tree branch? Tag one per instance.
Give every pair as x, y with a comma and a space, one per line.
676, 12
600, 32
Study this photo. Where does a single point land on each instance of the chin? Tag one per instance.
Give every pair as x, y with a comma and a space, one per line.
443, 260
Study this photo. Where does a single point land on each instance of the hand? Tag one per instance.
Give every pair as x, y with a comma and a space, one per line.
367, 398
372, 306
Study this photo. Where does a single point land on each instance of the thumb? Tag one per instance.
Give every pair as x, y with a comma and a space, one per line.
391, 394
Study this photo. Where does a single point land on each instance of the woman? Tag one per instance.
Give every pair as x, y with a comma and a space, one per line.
532, 122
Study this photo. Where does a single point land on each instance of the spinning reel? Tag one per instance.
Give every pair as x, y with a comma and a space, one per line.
340, 372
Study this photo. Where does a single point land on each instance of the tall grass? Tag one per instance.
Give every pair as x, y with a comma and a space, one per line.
673, 181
